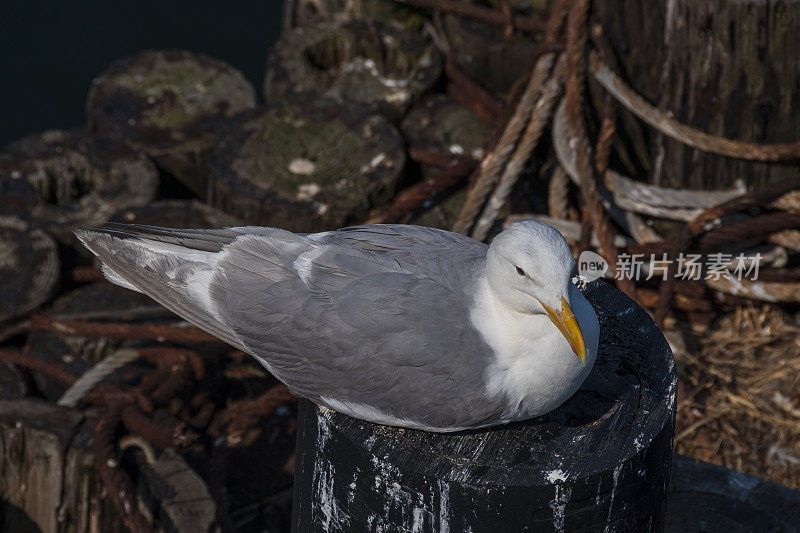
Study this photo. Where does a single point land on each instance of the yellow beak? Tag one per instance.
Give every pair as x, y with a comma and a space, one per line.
568, 326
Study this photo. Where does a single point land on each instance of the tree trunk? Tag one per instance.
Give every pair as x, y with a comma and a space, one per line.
726, 67
599, 462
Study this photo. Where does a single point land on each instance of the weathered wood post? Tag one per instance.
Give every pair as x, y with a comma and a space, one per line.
600, 462
728, 68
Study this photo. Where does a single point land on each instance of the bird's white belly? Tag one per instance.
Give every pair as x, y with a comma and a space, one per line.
534, 369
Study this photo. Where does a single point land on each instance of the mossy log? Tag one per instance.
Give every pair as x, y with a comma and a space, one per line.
440, 126
48, 483
101, 302
309, 167
495, 61
600, 462
713, 499
80, 178
306, 13
169, 104
187, 214
29, 267
726, 67
381, 66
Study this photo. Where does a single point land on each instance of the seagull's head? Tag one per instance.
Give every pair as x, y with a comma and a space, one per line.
529, 268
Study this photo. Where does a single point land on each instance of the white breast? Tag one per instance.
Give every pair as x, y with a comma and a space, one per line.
534, 369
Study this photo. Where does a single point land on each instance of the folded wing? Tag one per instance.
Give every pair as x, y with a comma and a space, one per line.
372, 316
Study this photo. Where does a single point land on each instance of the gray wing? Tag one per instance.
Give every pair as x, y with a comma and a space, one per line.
373, 316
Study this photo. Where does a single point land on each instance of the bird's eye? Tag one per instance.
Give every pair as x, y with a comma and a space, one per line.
520, 271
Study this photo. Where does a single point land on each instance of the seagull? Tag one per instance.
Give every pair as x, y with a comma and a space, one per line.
394, 324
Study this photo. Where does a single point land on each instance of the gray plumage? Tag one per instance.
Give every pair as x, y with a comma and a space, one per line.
375, 321
365, 326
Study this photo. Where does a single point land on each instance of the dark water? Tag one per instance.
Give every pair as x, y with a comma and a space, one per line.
50, 51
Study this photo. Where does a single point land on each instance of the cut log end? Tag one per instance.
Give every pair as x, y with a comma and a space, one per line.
306, 168
157, 98
29, 267
169, 104
380, 66
76, 178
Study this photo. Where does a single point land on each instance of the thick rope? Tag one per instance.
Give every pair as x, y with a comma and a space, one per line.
493, 163
592, 207
542, 112
95, 375
680, 132
558, 194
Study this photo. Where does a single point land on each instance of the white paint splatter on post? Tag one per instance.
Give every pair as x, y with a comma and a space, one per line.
559, 506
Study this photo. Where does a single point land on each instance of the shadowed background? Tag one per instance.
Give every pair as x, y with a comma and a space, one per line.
52, 50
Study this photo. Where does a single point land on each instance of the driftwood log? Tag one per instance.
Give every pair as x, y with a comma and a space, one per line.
713, 499
598, 462
169, 104
29, 267
725, 67
174, 496
382, 67
309, 167
79, 178
48, 483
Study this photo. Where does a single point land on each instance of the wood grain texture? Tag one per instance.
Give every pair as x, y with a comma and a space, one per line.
29, 267
47, 479
496, 61
176, 497
600, 460
726, 67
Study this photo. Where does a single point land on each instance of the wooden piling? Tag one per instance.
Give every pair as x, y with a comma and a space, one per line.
600, 462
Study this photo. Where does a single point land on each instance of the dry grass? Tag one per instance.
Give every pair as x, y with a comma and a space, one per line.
739, 399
